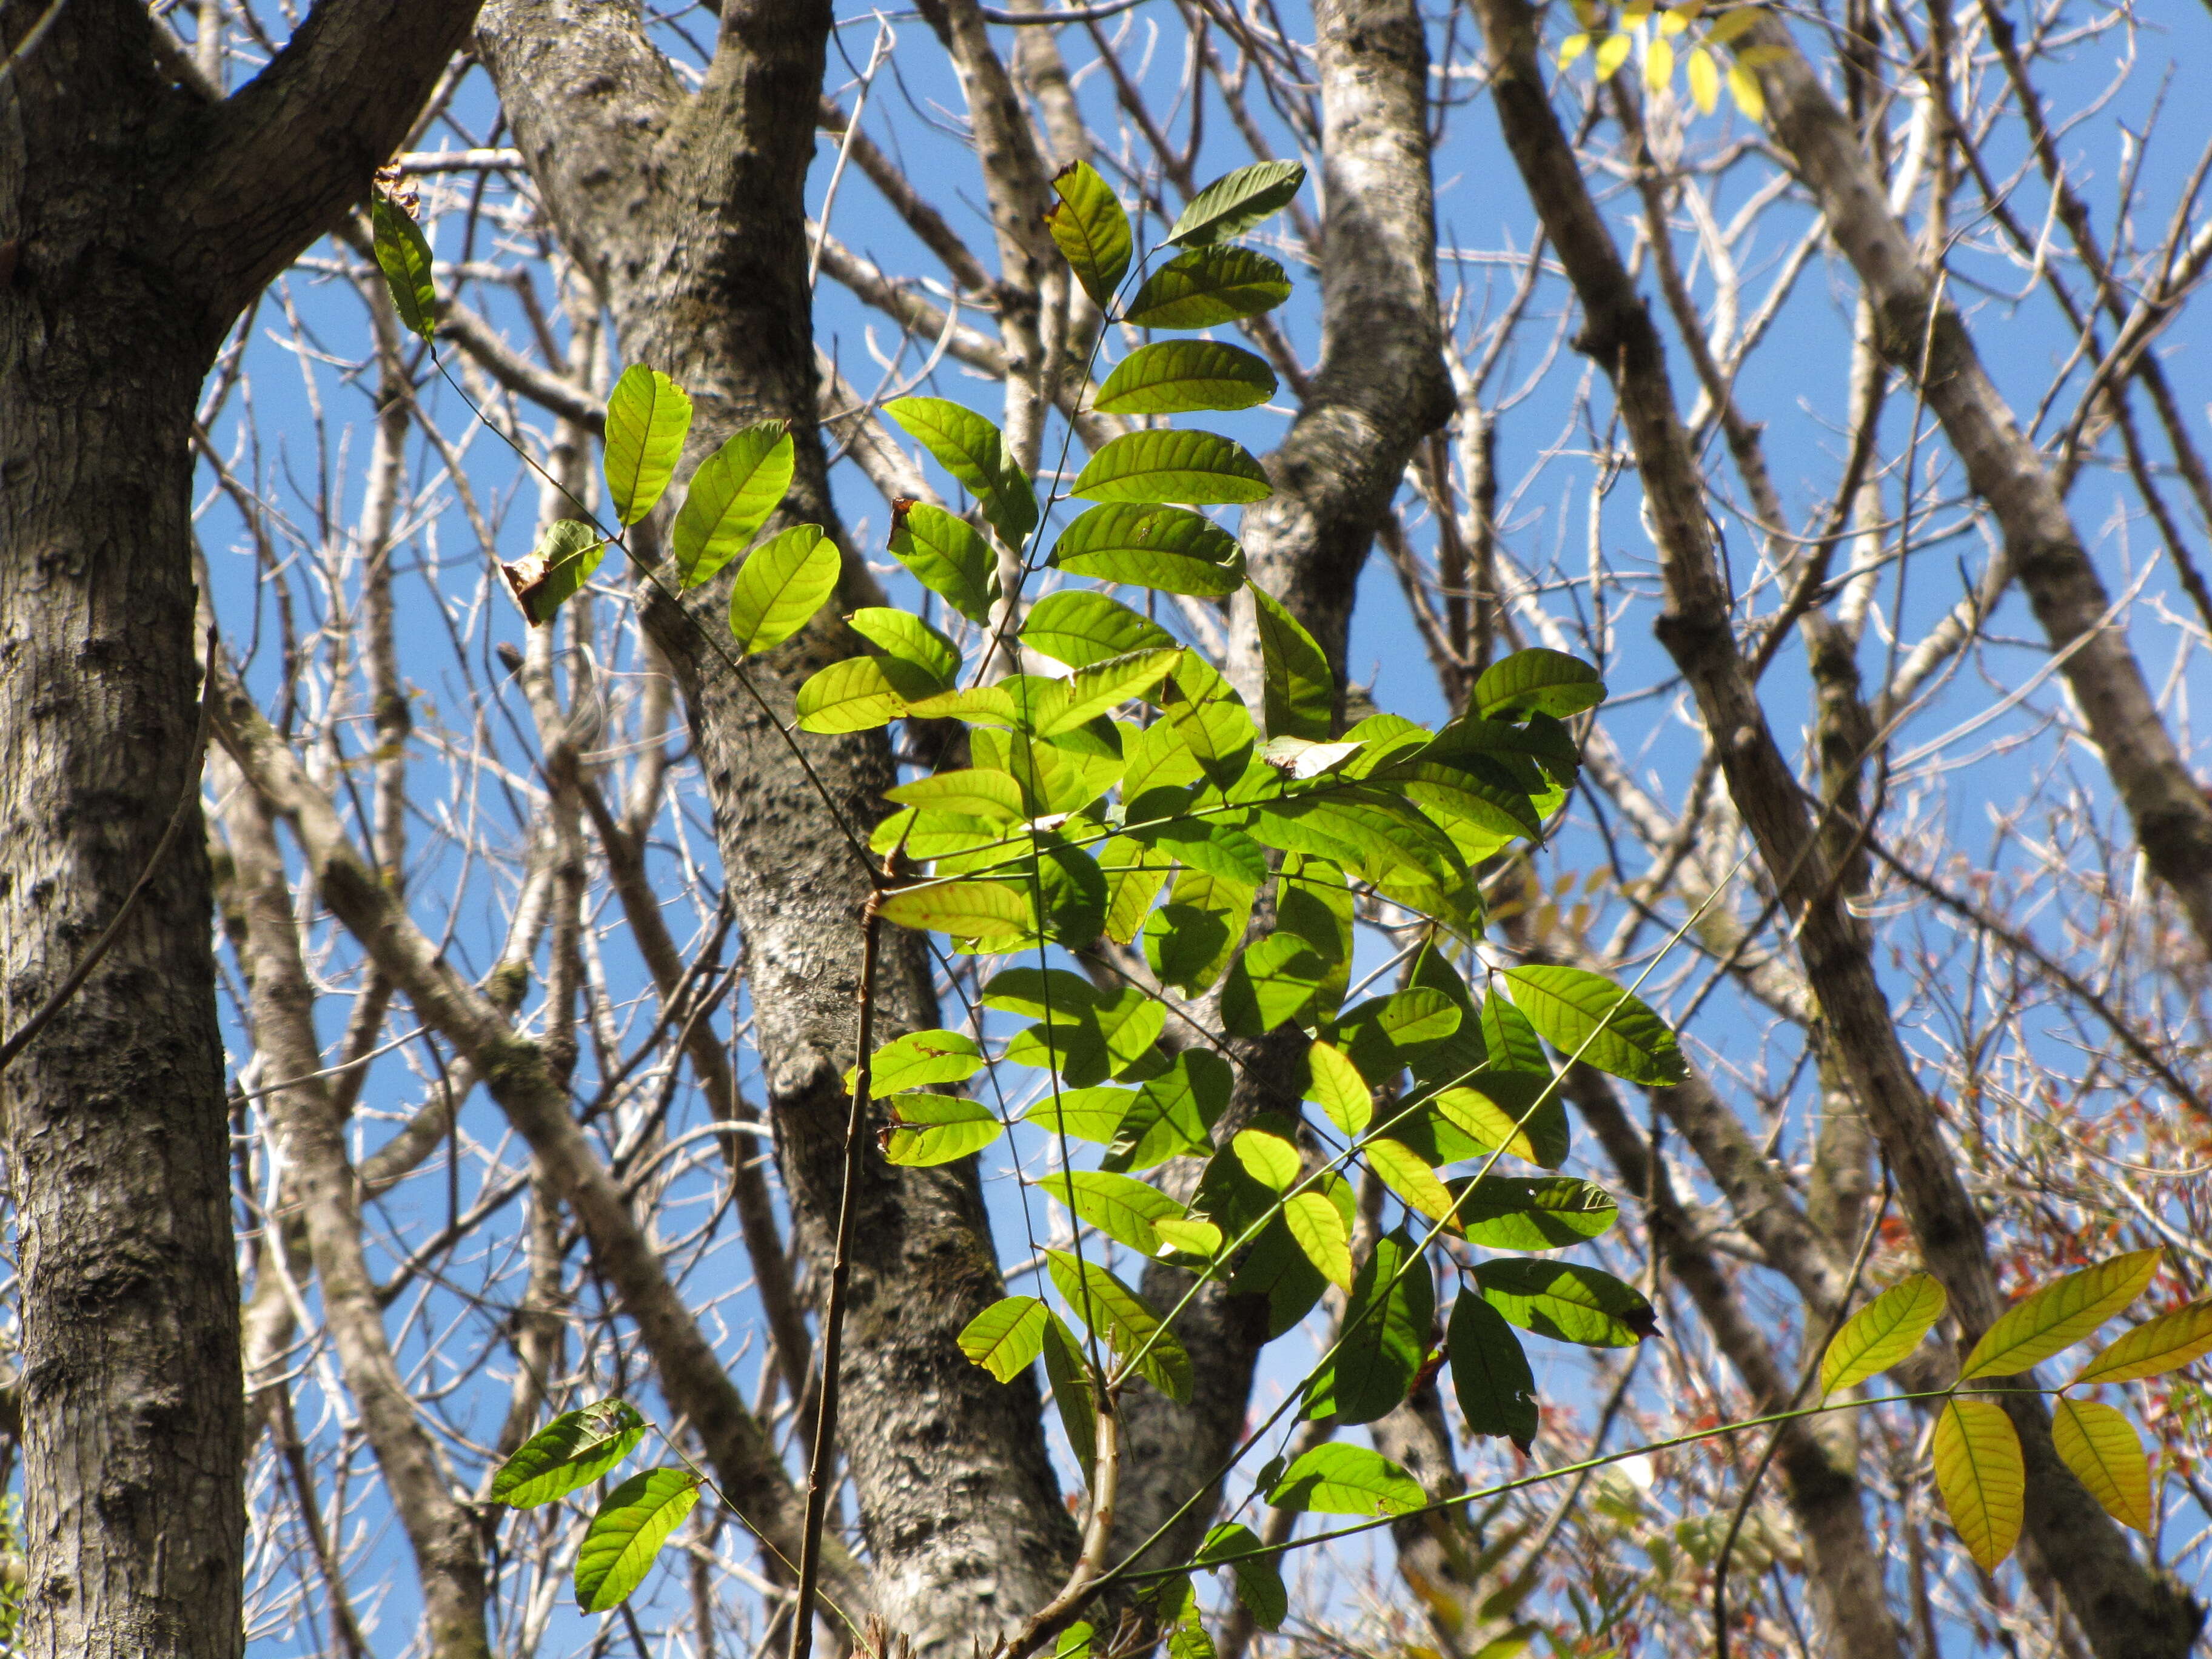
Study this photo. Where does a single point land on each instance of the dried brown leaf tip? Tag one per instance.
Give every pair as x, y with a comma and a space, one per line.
391, 183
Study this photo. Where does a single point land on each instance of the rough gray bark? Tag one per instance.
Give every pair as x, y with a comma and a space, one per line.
2124, 1606
688, 212
136, 220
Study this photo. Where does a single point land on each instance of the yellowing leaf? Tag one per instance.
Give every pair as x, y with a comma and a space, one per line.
2163, 1344
1319, 1229
1979, 1473
1612, 53
1675, 19
1882, 1333
1572, 48
1268, 1159
2059, 1315
2100, 1445
1743, 87
1405, 1172
1006, 1337
1338, 1089
932, 1129
1659, 63
1705, 80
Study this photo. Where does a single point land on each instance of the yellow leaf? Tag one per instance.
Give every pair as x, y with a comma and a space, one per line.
1318, 1228
1743, 86
2060, 1315
2100, 1445
1268, 1159
1334, 1084
1730, 24
1672, 21
1658, 71
1611, 55
1404, 1173
1705, 80
2163, 1344
1882, 1333
1979, 1473
1572, 48
1476, 1114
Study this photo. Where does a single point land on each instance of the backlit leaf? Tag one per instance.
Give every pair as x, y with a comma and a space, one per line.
1123, 1209
1258, 1581
1984, 1482
1195, 468
972, 790
966, 909
1341, 1480
1080, 628
558, 567
1090, 230
1882, 1333
780, 586
648, 415
1099, 687
930, 1129
918, 1059
1407, 1174
1385, 1336
902, 635
1237, 202
946, 555
1269, 982
1175, 377
573, 1450
1538, 681
2059, 1314
2100, 1445
1065, 1369
2156, 1345
971, 449
1587, 1014
1336, 1086
628, 1532
859, 694
1125, 1319
1207, 286
1268, 1158
1169, 548
404, 255
1319, 1229
1301, 690
1006, 1337
729, 498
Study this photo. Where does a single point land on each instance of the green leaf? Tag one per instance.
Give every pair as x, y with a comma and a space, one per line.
1065, 1369
1099, 687
2155, 1346
1199, 1238
1319, 1228
1503, 1212
1386, 1335
918, 1059
1407, 1174
971, 449
1217, 847
945, 555
1006, 1337
1092, 1114
1588, 1014
947, 836
628, 1532
1312, 901
1510, 1040
1167, 548
1301, 690
1490, 1373
1176, 377
927, 1130
1339, 1480
729, 498
1268, 1158
904, 635
1090, 230
1080, 628
1882, 1333
1074, 1642
1125, 1319
1336, 1085
966, 909
556, 569
1135, 875
1983, 1479
2100, 1445
1198, 469
572, 1450
992, 796
1187, 945
1123, 1209
780, 586
1237, 202
2059, 1314
1268, 983
1487, 1123
859, 694
648, 415
1174, 1113
1537, 681
1567, 1302
1212, 721
1258, 1581
1208, 286
403, 256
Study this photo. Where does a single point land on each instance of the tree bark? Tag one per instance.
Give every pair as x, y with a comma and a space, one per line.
137, 220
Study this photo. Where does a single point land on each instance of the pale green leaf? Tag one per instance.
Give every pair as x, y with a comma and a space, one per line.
628, 1532
1123, 1209
966, 909
1407, 1174
930, 1129
1125, 1319
1882, 1333
1319, 1228
1177, 377
1341, 1480
558, 567
1336, 1085
649, 416
971, 449
1237, 202
859, 694
780, 586
1195, 468
730, 497
946, 555
902, 635
918, 1059
1006, 1337
1080, 628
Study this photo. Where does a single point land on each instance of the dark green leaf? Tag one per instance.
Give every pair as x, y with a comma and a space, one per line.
1196, 468
1271, 982
1258, 1581
1538, 681
1065, 1369
1187, 944
1567, 1301
403, 256
730, 497
1385, 1336
1167, 548
945, 555
1490, 1374
1212, 721
1090, 230
1175, 377
1173, 1112
628, 1532
1587, 1014
1237, 202
1511, 1041
570, 1451
1208, 286
1209, 844
1341, 1479
1547, 1213
648, 415
780, 586
1301, 690
1125, 1319
970, 448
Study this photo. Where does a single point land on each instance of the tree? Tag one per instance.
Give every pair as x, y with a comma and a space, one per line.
1903, 1093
